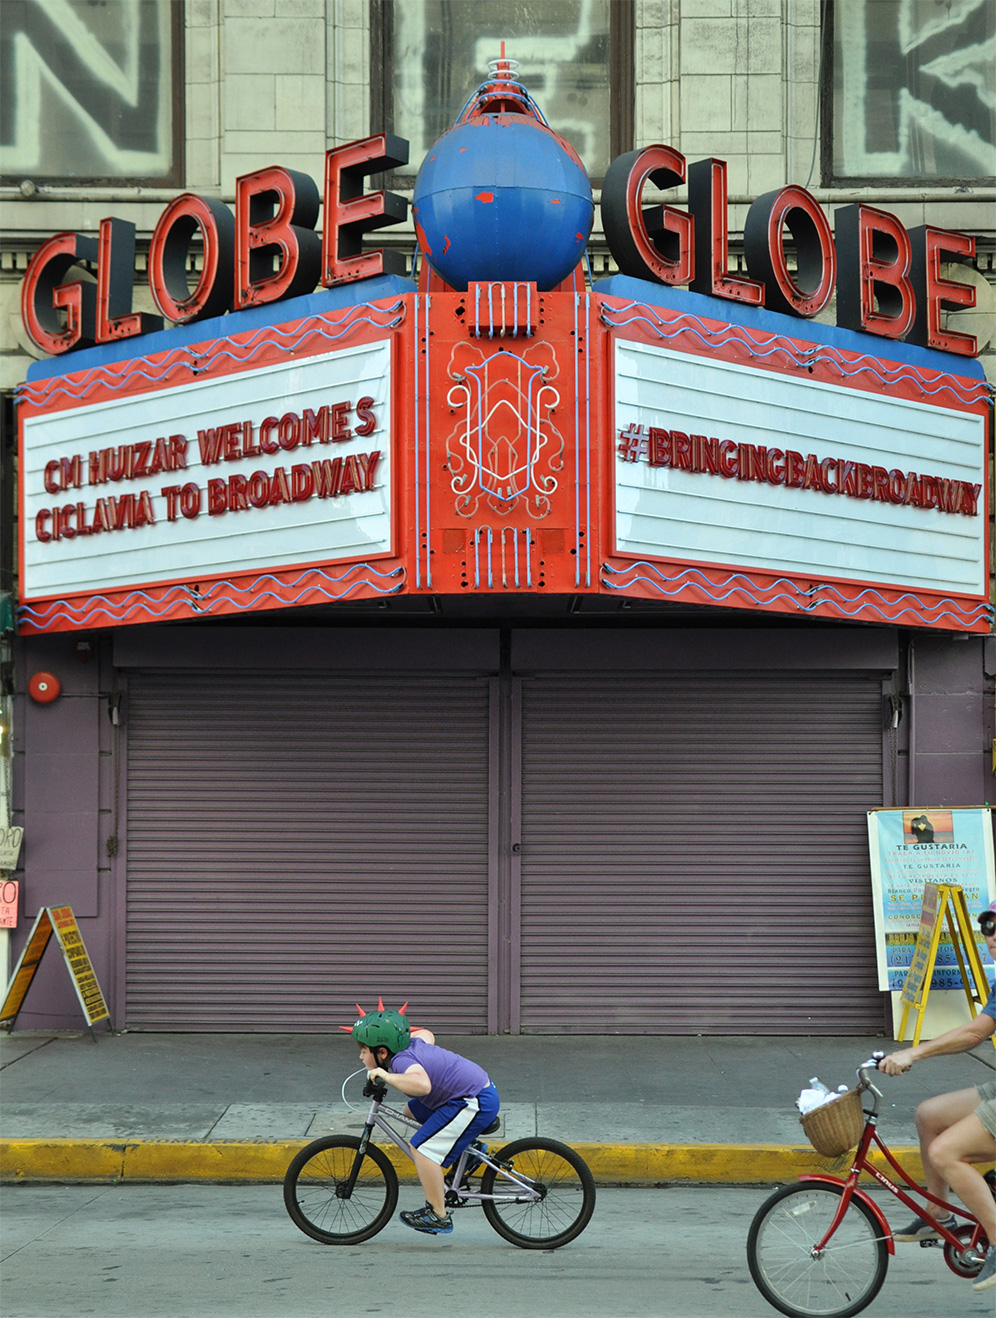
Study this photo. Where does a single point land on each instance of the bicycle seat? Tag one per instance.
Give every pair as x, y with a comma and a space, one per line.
490, 1130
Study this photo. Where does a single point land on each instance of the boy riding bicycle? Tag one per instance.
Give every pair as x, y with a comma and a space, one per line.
450, 1095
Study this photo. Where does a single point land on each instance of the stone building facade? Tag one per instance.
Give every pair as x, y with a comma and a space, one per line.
191, 95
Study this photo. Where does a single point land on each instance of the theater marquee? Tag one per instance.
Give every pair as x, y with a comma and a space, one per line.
723, 463
495, 425
247, 470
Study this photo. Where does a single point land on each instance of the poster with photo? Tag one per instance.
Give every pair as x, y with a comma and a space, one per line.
910, 848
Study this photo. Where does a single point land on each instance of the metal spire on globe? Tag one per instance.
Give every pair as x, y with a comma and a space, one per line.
501, 196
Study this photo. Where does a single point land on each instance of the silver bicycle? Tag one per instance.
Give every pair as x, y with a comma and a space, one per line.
343, 1189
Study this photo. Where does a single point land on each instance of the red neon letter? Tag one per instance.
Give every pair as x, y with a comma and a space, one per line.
168, 254
935, 294
275, 214
44, 295
793, 208
115, 269
874, 292
656, 242
707, 194
364, 411
349, 211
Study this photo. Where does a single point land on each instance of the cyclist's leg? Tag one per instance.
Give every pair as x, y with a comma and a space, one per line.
417, 1109
953, 1153
432, 1145
933, 1117
430, 1175
487, 1109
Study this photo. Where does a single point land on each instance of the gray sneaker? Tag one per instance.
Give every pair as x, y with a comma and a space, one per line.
987, 1277
924, 1228
427, 1221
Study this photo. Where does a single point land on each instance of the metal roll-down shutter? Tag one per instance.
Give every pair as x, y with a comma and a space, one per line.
694, 852
298, 841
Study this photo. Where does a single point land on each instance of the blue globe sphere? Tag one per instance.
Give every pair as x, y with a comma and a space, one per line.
502, 197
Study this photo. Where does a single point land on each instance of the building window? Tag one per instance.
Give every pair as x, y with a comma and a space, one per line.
911, 90
91, 91
575, 58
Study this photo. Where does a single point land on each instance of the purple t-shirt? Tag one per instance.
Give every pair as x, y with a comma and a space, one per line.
452, 1076
990, 1008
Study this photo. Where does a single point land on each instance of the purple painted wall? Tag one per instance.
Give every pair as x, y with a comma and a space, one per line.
951, 685
62, 771
67, 797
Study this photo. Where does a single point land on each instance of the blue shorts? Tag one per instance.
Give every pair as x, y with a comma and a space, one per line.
446, 1131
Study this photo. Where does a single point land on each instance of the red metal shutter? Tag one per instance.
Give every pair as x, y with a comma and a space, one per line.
694, 852
300, 841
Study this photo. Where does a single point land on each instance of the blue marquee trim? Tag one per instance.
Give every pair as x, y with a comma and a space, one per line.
223, 327
774, 322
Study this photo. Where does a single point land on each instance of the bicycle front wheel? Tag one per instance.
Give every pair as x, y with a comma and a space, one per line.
564, 1185
846, 1276
316, 1186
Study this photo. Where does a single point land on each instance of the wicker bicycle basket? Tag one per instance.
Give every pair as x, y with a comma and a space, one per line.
836, 1127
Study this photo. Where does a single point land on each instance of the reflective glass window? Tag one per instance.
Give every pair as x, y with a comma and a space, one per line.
914, 93
572, 57
89, 90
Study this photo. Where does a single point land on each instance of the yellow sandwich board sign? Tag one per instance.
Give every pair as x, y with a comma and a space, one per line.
942, 900
26, 967
60, 921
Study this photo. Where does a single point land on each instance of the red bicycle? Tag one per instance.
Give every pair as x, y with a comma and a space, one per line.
820, 1249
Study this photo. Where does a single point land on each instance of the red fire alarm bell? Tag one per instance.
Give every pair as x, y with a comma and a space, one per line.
44, 687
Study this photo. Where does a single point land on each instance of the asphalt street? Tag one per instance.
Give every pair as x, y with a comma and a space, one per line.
212, 1251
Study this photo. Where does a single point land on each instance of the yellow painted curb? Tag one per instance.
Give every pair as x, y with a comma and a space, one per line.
60, 1160
727, 1164
41, 1160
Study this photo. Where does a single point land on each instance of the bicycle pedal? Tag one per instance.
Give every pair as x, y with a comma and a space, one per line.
930, 1244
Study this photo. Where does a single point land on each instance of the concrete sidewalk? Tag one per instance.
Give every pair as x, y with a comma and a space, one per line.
222, 1107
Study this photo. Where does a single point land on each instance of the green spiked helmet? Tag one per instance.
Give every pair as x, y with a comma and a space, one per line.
382, 1028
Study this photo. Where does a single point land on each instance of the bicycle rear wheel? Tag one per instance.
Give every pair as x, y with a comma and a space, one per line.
566, 1194
847, 1275
315, 1187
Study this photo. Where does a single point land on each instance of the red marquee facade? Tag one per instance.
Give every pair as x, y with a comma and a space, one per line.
488, 442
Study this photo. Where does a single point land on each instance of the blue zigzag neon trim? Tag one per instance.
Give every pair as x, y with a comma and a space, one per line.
216, 594
693, 325
804, 600
197, 364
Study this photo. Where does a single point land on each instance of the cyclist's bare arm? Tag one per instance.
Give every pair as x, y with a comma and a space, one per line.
414, 1082
958, 1040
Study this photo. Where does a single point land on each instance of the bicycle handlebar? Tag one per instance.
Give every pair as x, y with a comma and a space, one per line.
862, 1073
872, 1062
375, 1089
